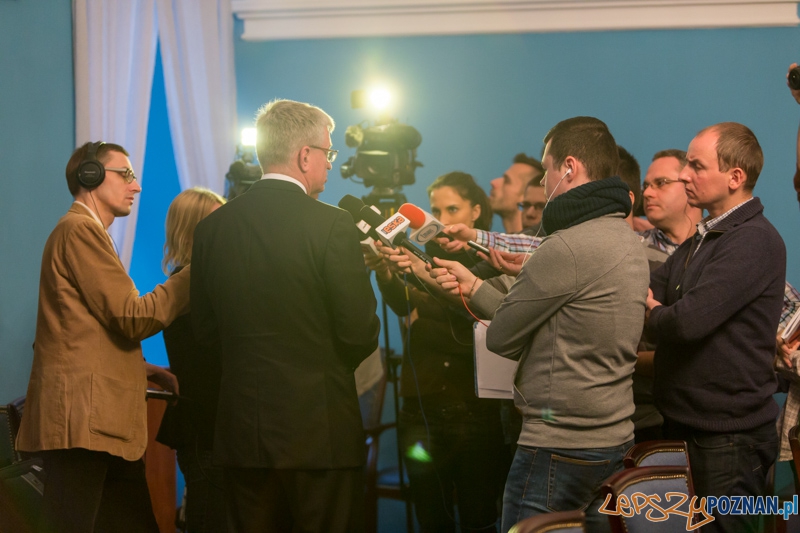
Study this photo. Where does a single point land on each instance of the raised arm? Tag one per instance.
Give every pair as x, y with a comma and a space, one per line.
111, 294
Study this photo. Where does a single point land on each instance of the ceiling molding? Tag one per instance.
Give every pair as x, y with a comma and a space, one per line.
320, 19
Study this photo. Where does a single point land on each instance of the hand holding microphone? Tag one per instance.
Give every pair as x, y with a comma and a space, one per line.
426, 227
454, 278
390, 231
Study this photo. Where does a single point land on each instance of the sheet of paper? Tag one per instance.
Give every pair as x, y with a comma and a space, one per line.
494, 375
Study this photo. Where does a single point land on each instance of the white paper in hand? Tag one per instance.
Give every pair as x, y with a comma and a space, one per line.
494, 375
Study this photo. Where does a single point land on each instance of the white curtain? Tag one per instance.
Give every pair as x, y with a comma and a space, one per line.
114, 51
197, 53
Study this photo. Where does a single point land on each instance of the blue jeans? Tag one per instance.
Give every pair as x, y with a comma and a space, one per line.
728, 464
545, 480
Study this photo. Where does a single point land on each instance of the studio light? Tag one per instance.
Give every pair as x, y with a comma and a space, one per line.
248, 137
380, 98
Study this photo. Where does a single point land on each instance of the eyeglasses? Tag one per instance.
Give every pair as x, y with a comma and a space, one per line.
524, 206
126, 173
330, 155
657, 183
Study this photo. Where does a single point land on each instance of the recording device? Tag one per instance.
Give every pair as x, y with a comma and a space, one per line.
390, 231
794, 79
154, 394
426, 227
386, 154
475, 246
367, 242
241, 175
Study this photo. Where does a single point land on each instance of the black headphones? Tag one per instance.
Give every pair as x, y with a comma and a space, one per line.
91, 172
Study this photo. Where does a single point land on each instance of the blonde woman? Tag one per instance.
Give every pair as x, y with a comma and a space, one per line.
188, 426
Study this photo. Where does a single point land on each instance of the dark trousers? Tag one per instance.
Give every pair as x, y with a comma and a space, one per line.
728, 464
205, 496
296, 501
95, 492
454, 449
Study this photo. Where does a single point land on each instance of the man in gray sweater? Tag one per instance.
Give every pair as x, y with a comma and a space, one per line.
572, 319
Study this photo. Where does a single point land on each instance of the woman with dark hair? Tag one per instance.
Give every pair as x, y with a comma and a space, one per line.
463, 185
452, 440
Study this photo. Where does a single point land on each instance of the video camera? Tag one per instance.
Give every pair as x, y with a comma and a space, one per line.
386, 153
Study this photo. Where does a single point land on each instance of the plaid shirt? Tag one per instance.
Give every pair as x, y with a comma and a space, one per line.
791, 409
516, 243
658, 240
708, 224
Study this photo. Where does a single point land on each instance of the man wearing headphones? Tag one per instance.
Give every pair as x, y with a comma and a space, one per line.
85, 412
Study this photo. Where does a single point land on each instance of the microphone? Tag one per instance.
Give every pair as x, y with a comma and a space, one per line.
389, 231
426, 227
353, 205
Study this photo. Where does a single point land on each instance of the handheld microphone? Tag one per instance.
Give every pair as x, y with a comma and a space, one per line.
426, 227
353, 205
389, 231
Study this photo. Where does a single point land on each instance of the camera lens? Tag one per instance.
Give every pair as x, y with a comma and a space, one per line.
794, 78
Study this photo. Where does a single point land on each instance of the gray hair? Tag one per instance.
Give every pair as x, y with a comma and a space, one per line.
285, 126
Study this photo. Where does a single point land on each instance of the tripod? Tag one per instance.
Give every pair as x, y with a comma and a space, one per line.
389, 201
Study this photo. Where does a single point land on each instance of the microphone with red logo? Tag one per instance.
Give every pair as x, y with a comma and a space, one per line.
390, 231
426, 227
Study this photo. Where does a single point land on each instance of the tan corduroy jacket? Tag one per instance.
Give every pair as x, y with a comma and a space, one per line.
87, 386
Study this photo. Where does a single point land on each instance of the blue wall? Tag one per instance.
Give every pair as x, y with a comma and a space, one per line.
477, 100
159, 186
37, 136
480, 99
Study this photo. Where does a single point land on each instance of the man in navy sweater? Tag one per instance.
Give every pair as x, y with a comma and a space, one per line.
714, 307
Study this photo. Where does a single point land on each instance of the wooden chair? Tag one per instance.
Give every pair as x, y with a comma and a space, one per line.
648, 481
794, 443
7, 434
564, 522
21, 490
659, 453
21, 477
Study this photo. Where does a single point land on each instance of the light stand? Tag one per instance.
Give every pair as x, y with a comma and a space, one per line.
388, 202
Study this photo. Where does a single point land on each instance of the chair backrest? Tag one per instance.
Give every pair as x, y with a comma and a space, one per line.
794, 444
657, 453
630, 495
7, 435
563, 522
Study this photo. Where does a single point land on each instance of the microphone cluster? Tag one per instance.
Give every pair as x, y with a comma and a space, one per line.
390, 231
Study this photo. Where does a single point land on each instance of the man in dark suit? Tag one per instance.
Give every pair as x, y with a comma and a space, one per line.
279, 282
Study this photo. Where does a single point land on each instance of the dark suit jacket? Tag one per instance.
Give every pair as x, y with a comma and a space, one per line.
279, 281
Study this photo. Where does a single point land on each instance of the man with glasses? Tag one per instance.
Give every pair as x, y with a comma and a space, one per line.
85, 411
531, 207
278, 281
665, 203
